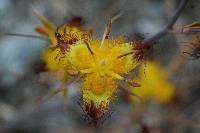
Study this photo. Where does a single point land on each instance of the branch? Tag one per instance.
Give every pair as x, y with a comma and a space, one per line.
170, 24
184, 31
23, 35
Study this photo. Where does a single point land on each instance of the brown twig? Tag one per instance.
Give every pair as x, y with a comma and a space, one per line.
164, 31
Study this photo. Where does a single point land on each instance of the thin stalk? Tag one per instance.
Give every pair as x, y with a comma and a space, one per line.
164, 31
23, 35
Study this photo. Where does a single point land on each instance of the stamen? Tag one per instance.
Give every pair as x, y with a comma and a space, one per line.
106, 32
86, 71
115, 75
188, 53
133, 83
126, 54
107, 29
88, 47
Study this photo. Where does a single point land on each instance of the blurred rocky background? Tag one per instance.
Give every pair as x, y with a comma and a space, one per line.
21, 84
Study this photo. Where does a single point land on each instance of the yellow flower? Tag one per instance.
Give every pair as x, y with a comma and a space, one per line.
102, 66
101, 63
61, 38
155, 84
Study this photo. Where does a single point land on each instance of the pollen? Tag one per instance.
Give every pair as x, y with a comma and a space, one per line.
69, 35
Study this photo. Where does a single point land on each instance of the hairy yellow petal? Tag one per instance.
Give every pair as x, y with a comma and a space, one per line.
98, 89
103, 61
54, 59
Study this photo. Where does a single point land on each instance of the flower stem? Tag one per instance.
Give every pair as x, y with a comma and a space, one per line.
164, 31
